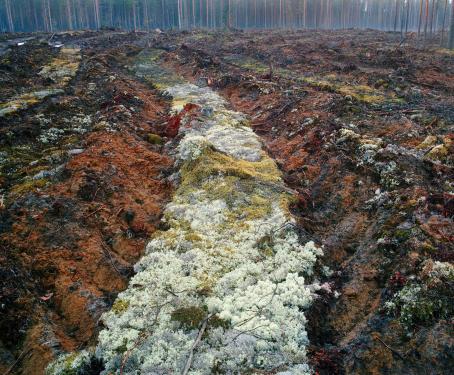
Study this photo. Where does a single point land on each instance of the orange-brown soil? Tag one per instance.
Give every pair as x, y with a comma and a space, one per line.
70, 245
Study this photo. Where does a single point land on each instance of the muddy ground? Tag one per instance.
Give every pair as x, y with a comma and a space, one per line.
360, 124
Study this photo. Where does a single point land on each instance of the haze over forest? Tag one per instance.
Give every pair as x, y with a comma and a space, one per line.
427, 16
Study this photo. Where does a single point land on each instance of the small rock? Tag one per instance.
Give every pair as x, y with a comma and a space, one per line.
102, 125
350, 291
416, 116
370, 274
75, 151
48, 173
207, 111
308, 121
41, 175
202, 82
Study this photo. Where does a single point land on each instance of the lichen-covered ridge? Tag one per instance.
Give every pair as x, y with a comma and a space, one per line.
223, 289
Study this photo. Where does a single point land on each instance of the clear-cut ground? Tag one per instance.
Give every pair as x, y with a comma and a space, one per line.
359, 125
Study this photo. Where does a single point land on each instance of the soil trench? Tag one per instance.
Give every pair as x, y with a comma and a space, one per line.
216, 287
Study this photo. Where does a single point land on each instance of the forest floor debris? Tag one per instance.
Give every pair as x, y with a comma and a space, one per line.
360, 125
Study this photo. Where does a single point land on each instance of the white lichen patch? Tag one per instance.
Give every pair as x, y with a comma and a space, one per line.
70, 363
223, 289
223, 129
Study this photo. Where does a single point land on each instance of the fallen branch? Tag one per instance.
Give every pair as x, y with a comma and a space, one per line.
21, 356
194, 346
109, 256
141, 339
388, 347
95, 211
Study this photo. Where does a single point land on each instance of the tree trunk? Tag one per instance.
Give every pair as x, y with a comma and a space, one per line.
51, 27
134, 16
451, 29
69, 14
426, 21
145, 15
420, 17
179, 13
396, 13
229, 15
443, 24
432, 17
96, 9
407, 17
9, 16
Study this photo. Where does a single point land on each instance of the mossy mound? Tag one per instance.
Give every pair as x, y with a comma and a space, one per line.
155, 139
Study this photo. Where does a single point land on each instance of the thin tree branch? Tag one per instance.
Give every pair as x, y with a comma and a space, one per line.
197, 341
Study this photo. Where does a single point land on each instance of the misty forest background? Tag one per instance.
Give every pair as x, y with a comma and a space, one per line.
427, 17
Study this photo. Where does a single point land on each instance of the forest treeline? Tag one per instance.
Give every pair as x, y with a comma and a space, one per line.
424, 16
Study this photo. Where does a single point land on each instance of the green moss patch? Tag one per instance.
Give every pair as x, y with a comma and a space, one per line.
189, 317
120, 306
29, 186
155, 139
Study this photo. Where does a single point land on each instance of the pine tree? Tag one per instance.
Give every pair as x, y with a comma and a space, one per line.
451, 30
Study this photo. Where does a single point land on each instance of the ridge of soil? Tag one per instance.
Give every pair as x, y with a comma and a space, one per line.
68, 246
373, 249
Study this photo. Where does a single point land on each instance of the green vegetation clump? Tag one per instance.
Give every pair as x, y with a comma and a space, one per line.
427, 301
29, 186
189, 317
192, 237
212, 163
192, 317
154, 139
258, 208
331, 83
120, 306
249, 63
402, 235
77, 363
362, 93
421, 305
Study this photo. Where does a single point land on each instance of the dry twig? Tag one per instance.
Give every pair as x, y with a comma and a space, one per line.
194, 346
388, 347
21, 356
